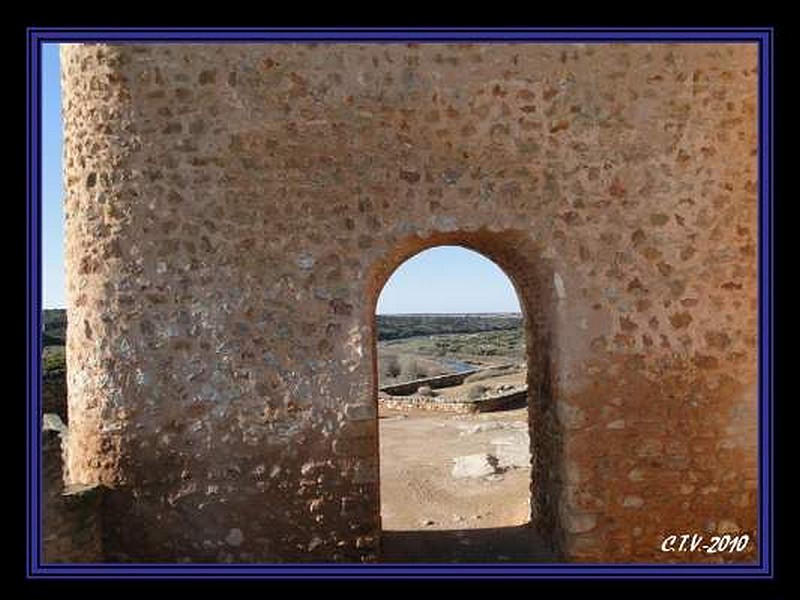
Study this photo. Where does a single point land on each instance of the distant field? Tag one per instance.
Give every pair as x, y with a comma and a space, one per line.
53, 341
393, 327
55, 327
502, 343
417, 346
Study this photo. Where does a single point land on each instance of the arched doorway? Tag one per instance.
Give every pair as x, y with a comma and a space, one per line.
532, 539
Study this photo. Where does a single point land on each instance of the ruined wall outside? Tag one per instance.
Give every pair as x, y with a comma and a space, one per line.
435, 383
501, 402
233, 211
71, 517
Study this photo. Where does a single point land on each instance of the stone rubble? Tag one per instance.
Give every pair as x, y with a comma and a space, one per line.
474, 465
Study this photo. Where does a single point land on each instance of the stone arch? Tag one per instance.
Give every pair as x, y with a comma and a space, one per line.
518, 256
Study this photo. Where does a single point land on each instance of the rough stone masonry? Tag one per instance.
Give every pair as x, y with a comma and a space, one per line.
234, 210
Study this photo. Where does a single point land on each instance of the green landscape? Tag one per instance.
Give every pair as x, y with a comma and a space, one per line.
55, 327
53, 340
392, 327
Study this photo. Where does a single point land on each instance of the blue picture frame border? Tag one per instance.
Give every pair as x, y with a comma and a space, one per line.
36, 569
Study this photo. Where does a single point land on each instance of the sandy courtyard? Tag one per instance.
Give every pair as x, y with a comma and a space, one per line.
431, 512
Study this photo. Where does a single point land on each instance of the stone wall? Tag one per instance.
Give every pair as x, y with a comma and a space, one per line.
425, 403
435, 383
492, 403
233, 212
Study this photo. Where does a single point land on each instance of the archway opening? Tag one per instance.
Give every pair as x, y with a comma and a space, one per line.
453, 387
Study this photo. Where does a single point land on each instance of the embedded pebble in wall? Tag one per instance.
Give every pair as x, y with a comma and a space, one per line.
235, 537
632, 502
559, 286
305, 261
581, 523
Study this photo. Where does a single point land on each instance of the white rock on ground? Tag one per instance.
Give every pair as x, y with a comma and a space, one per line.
513, 457
474, 465
52, 422
513, 451
481, 427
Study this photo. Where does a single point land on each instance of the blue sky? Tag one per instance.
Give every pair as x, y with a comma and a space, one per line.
448, 279
53, 287
440, 280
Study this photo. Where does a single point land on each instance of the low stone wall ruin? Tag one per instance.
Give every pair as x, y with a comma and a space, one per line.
435, 383
71, 530
514, 399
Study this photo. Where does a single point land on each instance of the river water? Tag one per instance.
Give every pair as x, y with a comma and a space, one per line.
456, 366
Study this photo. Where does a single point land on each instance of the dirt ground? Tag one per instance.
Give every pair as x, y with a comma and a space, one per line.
430, 514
